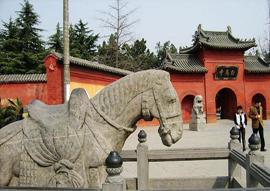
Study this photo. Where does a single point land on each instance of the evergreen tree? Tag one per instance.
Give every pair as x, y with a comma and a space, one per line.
21, 45
161, 51
137, 57
32, 46
83, 44
9, 48
71, 37
106, 52
82, 41
56, 40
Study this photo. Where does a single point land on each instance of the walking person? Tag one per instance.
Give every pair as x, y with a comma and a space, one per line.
255, 113
240, 121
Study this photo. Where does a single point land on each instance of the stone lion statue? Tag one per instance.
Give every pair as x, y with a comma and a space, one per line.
197, 118
198, 105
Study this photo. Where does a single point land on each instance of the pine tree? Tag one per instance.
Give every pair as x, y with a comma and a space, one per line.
32, 46
56, 40
72, 34
84, 41
106, 52
161, 51
9, 48
22, 49
137, 57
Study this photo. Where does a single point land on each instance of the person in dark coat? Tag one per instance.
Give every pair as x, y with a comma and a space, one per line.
255, 113
240, 121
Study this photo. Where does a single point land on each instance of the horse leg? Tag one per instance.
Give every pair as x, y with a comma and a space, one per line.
102, 174
6, 172
96, 177
93, 178
9, 169
10, 161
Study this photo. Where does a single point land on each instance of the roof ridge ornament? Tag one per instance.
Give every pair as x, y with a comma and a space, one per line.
258, 54
199, 28
229, 29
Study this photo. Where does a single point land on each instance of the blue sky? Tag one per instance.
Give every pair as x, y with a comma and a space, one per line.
160, 20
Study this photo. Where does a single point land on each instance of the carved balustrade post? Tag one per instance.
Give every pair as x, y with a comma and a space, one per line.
234, 168
253, 156
114, 181
142, 162
234, 142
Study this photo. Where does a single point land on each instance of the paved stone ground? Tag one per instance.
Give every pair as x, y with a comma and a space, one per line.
215, 135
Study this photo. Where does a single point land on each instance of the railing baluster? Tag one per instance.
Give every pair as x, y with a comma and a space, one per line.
142, 162
234, 169
253, 156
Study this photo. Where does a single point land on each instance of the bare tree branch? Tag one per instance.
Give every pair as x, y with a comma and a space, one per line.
118, 22
108, 14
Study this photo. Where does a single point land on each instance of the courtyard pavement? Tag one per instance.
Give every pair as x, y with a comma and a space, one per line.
216, 135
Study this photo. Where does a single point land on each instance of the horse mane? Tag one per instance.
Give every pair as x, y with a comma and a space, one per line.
114, 98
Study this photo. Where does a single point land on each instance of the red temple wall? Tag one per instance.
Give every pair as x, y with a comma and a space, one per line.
187, 86
210, 59
26, 92
258, 84
55, 80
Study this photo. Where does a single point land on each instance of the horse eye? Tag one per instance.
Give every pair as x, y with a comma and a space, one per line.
172, 100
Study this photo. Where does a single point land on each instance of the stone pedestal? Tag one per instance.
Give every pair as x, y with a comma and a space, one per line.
253, 156
197, 117
197, 122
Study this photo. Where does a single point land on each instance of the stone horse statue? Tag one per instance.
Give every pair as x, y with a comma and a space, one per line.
67, 145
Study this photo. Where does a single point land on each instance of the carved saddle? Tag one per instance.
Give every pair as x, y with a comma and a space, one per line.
73, 111
53, 135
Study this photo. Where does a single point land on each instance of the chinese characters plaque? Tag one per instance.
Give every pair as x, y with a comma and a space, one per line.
226, 72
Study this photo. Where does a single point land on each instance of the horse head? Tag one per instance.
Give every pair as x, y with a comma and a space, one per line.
119, 104
162, 102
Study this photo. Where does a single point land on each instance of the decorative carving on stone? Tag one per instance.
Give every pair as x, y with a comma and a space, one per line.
67, 145
197, 117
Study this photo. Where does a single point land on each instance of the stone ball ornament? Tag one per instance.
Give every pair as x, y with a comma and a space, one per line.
114, 160
254, 139
234, 133
254, 144
142, 136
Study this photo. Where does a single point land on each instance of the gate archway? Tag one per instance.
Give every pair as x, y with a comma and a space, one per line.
186, 107
226, 102
262, 98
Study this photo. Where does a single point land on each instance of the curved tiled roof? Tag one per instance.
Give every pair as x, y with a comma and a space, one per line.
218, 40
90, 64
185, 63
23, 78
255, 64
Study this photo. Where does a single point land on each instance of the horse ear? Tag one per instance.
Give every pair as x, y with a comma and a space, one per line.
163, 77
